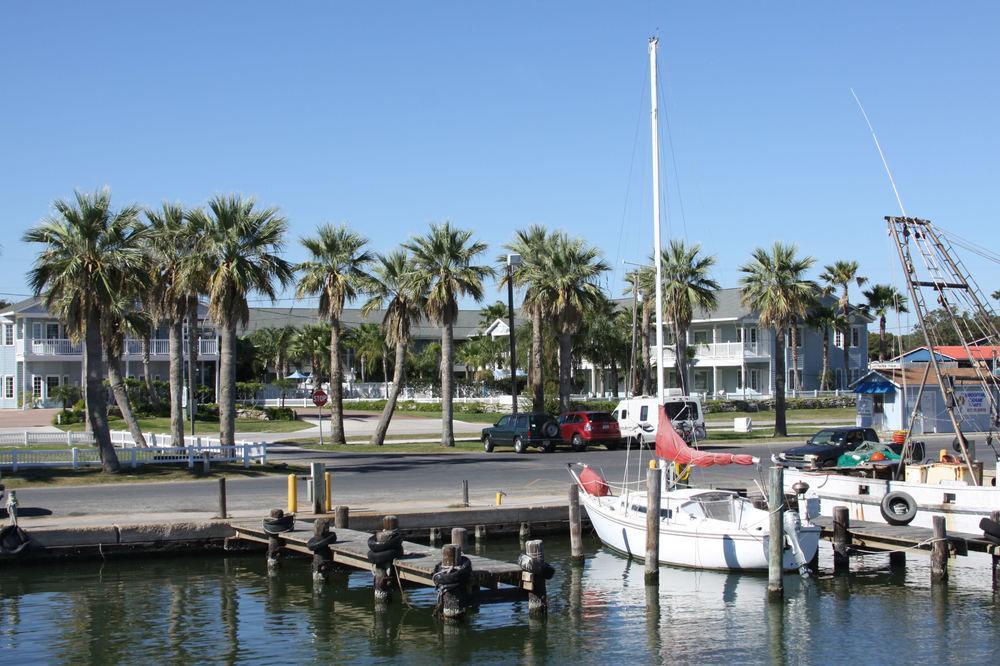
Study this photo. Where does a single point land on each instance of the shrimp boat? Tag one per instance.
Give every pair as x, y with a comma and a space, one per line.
699, 528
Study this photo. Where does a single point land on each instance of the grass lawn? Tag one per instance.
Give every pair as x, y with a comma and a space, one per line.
59, 476
161, 424
832, 414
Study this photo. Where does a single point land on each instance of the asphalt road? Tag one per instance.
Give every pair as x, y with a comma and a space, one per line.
381, 480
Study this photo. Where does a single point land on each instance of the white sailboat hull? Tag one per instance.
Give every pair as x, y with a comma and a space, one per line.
699, 545
962, 506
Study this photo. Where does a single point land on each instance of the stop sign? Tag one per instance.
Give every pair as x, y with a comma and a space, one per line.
319, 397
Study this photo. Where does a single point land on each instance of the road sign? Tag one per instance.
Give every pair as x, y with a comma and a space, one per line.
319, 397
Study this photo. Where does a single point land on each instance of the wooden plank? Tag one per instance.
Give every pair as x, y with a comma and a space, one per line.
878, 536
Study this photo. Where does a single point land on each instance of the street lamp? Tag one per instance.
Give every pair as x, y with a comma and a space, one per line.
512, 261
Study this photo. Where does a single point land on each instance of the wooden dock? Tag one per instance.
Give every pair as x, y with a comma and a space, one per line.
877, 537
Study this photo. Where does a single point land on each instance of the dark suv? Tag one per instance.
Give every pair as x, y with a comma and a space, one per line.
522, 431
826, 446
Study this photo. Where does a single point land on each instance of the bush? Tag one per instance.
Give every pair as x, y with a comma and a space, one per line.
280, 413
79, 405
767, 405
114, 412
67, 416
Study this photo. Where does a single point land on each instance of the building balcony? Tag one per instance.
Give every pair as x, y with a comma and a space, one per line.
723, 353
158, 349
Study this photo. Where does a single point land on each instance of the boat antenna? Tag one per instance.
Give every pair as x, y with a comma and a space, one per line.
878, 146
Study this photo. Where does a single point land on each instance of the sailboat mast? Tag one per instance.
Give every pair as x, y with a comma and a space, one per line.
657, 258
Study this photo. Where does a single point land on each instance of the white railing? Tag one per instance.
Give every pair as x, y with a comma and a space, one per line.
159, 451
157, 347
722, 351
55, 347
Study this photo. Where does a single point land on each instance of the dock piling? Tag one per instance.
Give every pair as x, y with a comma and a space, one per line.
897, 559
652, 524
776, 534
453, 592
459, 537
465, 493
524, 533
274, 544
533, 563
939, 552
384, 573
480, 534
575, 524
322, 561
995, 517
434, 538
342, 517
841, 539
222, 497
317, 481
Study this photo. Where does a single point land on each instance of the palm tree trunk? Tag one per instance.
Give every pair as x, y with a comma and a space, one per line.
565, 369
845, 338
176, 349
824, 384
147, 371
121, 399
227, 384
193, 343
780, 428
614, 379
385, 374
796, 375
398, 377
644, 387
447, 362
537, 361
97, 403
336, 386
680, 338
881, 338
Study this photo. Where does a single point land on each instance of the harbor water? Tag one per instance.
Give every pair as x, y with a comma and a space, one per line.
229, 610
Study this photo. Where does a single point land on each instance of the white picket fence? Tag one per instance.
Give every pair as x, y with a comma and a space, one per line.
195, 450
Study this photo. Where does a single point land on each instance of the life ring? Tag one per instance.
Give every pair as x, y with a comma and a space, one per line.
898, 508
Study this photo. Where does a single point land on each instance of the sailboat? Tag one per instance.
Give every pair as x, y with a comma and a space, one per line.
699, 528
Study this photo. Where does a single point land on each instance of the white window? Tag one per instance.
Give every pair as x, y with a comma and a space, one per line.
739, 334
700, 337
752, 379
8, 387
700, 380
36, 331
855, 336
8, 335
36, 386
52, 331
51, 382
838, 338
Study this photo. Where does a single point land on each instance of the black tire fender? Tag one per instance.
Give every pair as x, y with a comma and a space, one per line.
898, 508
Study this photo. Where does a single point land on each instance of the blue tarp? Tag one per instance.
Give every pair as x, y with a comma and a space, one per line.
870, 386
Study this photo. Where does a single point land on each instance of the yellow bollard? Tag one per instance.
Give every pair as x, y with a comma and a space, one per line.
293, 494
329, 486
500, 495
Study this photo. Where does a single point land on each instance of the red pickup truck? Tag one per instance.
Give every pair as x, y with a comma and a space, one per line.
581, 429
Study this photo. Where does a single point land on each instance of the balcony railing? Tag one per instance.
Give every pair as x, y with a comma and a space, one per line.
723, 351
157, 348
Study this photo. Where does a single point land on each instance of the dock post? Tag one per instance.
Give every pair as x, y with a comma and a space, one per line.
342, 517
459, 537
453, 597
480, 534
274, 544
776, 534
222, 497
995, 517
841, 539
293, 494
939, 552
434, 538
523, 533
652, 524
322, 556
465, 493
897, 559
384, 574
317, 481
575, 525
533, 562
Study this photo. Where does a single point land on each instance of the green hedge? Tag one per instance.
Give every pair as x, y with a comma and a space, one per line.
67, 416
280, 413
768, 405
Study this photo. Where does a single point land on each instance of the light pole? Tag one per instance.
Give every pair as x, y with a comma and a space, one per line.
512, 261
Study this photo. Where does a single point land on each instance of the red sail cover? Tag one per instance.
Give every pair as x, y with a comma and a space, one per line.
671, 446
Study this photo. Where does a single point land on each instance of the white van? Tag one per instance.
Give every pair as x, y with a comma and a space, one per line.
637, 417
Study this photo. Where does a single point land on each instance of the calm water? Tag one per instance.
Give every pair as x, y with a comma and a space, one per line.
228, 610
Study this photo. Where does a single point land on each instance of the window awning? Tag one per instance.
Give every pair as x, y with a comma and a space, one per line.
873, 386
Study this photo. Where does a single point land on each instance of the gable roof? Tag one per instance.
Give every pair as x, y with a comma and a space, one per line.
466, 324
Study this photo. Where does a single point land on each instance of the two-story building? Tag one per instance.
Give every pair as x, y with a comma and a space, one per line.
36, 355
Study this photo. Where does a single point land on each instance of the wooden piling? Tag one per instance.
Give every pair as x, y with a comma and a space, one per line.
384, 576
452, 603
995, 517
841, 539
434, 536
317, 481
322, 560
274, 543
776, 534
575, 524
538, 600
222, 497
897, 559
652, 524
465, 493
939, 552
459, 537
342, 517
480, 534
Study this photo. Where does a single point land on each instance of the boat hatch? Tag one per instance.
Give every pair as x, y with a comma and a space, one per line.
713, 505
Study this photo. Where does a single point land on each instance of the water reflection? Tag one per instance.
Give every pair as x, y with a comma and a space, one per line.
195, 610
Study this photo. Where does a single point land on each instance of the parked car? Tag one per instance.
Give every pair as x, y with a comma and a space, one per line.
521, 431
637, 418
580, 429
826, 446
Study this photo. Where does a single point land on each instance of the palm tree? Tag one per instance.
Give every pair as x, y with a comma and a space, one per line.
392, 288
823, 319
242, 243
88, 251
443, 269
774, 285
171, 243
996, 295
643, 281
337, 272
312, 343
117, 318
370, 348
531, 244
490, 313
605, 338
273, 344
571, 268
686, 286
842, 274
883, 299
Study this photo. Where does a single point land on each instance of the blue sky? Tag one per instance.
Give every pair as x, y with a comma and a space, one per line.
496, 115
